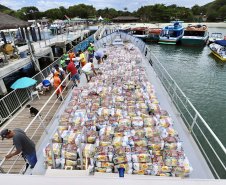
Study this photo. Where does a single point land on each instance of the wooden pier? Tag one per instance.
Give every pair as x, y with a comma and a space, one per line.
21, 120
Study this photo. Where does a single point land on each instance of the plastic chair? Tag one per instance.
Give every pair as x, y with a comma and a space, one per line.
34, 93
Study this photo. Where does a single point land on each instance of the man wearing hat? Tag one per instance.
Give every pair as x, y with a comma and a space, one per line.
22, 144
91, 51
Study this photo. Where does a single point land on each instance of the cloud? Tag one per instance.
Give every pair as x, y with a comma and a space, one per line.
14, 5
132, 5
44, 5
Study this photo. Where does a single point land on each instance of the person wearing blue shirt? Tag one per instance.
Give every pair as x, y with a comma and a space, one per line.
100, 56
46, 85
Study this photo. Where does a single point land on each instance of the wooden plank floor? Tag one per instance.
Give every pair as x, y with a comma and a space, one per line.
21, 121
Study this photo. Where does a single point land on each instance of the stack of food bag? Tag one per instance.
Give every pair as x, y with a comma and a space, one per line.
103, 158
120, 124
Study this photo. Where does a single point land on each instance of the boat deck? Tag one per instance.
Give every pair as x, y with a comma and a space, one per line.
200, 167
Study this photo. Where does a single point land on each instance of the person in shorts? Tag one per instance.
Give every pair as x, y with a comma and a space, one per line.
91, 51
74, 73
88, 69
100, 56
82, 58
22, 143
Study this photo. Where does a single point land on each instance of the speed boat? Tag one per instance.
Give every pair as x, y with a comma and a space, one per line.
218, 48
215, 36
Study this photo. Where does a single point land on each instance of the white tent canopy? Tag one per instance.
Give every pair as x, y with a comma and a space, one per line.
100, 18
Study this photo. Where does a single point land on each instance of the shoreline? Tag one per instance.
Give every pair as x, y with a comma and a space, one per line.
162, 25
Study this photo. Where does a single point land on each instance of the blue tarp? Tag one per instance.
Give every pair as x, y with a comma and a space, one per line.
221, 42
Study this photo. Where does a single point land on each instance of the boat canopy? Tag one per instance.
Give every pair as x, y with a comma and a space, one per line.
221, 42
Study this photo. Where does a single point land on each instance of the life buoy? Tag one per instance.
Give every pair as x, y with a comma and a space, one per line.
225, 37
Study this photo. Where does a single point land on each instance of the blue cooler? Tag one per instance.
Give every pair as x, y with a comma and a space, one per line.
121, 172
23, 54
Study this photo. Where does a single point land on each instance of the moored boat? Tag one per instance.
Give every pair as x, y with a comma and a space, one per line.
219, 49
126, 29
195, 35
140, 32
172, 34
56, 27
153, 35
215, 36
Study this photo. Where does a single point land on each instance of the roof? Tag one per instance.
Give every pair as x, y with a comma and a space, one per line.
125, 18
141, 28
221, 42
9, 22
196, 28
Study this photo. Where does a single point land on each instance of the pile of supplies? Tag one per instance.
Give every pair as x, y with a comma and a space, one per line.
119, 123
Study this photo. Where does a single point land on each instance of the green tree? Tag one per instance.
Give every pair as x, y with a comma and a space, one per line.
196, 10
222, 11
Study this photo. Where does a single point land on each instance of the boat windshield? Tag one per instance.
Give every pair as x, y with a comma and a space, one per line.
153, 35
194, 33
216, 35
138, 32
166, 33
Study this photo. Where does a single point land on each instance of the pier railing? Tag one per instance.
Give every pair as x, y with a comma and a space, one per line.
39, 77
211, 147
38, 124
17, 98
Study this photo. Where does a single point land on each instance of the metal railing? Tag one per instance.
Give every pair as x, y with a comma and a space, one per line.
13, 101
39, 76
211, 147
209, 144
205, 138
40, 120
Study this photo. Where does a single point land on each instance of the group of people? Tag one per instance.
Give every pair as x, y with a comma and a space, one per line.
20, 140
75, 64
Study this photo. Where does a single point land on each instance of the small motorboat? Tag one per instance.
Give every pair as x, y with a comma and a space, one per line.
218, 48
215, 36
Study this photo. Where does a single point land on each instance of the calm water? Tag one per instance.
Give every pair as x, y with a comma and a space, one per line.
201, 76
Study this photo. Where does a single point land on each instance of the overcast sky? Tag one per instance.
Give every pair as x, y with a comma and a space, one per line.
132, 5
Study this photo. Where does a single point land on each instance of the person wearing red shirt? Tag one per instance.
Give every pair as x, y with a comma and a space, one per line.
74, 73
71, 55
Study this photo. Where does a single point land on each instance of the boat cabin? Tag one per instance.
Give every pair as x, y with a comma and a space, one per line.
198, 30
140, 31
173, 30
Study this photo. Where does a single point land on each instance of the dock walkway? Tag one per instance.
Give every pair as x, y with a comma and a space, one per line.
22, 120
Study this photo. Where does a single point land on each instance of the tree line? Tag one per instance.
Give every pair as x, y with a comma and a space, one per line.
215, 11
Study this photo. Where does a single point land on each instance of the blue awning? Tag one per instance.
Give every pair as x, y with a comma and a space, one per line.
221, 42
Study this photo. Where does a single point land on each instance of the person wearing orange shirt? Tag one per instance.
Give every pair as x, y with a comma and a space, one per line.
57, 82
71, 55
